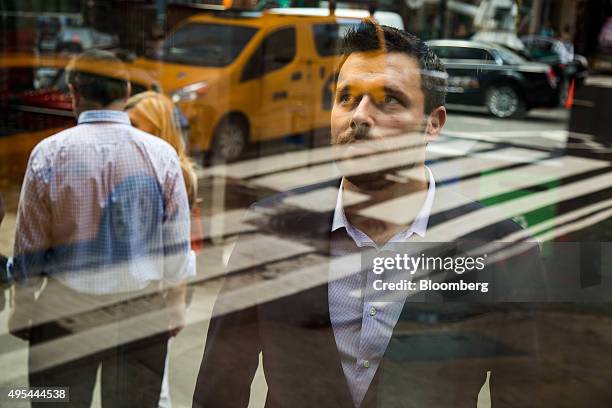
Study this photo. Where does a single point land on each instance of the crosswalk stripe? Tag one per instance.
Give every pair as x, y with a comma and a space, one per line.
328, 171
481, 162
525, 138
256, 249
294, 160
576, 225
487, 186
460, 226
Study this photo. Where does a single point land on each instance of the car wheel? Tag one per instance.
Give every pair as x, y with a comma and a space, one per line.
504, 101
230, 140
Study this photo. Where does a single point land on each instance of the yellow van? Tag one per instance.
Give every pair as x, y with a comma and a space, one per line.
243, 77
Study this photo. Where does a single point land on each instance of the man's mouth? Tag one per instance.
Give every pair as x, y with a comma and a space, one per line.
357, 148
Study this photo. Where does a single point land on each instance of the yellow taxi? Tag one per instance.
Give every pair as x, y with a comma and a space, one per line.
242, 77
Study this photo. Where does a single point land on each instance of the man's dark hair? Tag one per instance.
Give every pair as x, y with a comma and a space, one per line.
368, 35
84, 74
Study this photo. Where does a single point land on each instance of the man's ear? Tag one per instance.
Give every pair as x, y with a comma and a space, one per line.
435, 123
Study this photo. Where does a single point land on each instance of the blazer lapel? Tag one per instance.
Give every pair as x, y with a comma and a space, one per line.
316, 302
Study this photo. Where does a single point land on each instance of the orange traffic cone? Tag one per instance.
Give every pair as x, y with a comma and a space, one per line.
569, 102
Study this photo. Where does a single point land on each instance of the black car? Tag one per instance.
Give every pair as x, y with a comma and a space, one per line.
489, 75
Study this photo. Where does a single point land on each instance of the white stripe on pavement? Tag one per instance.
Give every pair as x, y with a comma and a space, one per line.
487, 186
304, 176
292, 160
460, 226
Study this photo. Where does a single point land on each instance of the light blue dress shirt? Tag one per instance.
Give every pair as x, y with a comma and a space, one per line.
103, 209
362, 321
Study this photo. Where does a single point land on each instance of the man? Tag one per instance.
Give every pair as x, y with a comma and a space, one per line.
103, 218
327, 339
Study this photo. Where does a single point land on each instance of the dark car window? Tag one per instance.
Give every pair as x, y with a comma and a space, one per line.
510, 57
463, 53
327, 37
442, 52
468, 53
276, 51
213, 45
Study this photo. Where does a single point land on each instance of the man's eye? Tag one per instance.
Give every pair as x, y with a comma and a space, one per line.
391, 100
344, 98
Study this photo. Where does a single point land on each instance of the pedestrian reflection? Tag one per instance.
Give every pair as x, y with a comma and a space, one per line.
101, 248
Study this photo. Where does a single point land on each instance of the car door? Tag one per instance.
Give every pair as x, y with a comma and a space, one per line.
275, 64
327, 38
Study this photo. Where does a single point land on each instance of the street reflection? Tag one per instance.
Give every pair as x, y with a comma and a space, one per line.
516, 172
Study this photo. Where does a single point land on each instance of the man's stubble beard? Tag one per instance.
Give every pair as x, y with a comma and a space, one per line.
378, 180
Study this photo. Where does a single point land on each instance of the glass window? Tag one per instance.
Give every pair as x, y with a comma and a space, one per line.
470, 53
442, 52
276, 51
212, 45
327, 37
472, 255
48, 77
510, 57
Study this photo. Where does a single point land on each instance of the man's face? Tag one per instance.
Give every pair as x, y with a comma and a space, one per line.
378, 106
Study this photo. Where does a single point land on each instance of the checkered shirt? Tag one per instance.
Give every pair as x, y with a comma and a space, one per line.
103, 209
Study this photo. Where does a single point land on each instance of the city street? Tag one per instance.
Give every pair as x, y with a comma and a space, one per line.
424, 260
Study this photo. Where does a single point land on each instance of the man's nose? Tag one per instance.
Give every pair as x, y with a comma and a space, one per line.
363, 113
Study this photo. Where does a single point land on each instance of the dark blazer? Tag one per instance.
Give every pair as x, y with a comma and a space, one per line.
438, 356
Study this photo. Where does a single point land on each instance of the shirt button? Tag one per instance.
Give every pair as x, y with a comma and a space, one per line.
372, 311
366, 364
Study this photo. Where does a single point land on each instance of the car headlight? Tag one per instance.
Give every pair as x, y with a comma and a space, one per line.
189, 92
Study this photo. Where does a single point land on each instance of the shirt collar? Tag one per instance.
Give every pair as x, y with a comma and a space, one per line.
419, 225
339, 215
106, 115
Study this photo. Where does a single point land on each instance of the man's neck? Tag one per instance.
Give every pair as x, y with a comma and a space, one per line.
414, 184
114, 106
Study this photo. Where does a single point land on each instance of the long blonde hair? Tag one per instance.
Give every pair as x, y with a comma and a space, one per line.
158, 109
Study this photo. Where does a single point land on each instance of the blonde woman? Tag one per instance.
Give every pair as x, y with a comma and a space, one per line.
154, 113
